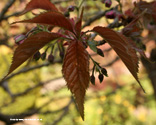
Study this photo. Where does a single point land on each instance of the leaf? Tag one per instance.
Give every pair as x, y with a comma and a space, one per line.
29, 47
140, 51
76, 72
149, 7
92, 46
122, 47
39, 4
132, 26
79, 24
154, 12
50, 18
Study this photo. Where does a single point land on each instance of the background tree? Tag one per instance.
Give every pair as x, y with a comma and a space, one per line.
17, 89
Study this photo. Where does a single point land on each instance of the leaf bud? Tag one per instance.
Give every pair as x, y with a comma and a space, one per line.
104, 71
92, 79
43, 56
19, 39
101, 77
144, 46
67, 14
62, 54
37, 56
51, 58
71, 8
100, 52
108, 3
102, 42
111, 14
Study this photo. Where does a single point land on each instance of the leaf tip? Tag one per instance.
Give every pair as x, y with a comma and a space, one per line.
141, 86
82, 114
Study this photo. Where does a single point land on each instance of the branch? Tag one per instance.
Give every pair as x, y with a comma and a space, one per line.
64, 113
97, 16
38, 85
6, 118
14, 14
5, 9
58, 2
27, 69
111, 63
2, 14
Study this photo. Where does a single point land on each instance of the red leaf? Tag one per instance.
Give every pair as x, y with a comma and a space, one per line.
132, 26
76, 72
140, 51
50, 18
150, 9
79, 24
154, 11
29, 47
122, 47
39, 4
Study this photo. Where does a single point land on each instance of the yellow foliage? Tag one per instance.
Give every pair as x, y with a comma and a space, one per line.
117, 99
142, 117
5, 49
126, 103
131, 109
103, 98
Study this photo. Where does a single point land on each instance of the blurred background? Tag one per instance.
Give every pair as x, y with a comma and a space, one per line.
36, 90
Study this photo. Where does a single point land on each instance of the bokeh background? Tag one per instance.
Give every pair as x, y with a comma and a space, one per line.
36, 90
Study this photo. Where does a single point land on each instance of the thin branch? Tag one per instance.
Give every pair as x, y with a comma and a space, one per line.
111, 63
63, 114
27, 69
14, 14
5, 9
97, 16
36, 86
6, 118
2, 14
58, 2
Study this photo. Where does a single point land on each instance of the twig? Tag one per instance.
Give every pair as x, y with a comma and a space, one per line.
58, 2
111, 63
6, 118
2, 14
97, 16
14, 14
24, 70
5, 9
38, 85
64, 113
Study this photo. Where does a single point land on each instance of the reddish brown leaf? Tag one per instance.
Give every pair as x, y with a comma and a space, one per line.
132, 26
50, 18
76, 72
154, 12
39, 4
122, 47
79, 24
150, 9
140, 51
29, 47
